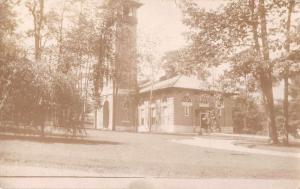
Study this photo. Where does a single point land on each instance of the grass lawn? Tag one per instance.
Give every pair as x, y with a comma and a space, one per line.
114, 154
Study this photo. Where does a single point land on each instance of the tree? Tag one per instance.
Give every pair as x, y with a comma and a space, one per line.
59, 85
31, 92
291, 5
179, 62
239, 80
288, 7
150, 69
249, 121
284, 66
9, 51
36, 8
237, 26
294, 108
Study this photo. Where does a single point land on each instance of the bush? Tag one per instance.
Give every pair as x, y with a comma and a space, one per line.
39, 94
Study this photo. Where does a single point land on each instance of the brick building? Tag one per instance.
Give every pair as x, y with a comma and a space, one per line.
179, 104
183, 104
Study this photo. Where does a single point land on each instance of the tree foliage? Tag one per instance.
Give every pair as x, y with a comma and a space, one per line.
179, 62
249, 122
246, 31
74, 53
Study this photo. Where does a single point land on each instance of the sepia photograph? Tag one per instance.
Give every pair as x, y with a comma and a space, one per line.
149, 94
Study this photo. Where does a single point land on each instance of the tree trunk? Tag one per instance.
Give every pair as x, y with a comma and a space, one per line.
266, 72
267, 88
60, 38
247, 104
115, 98
38, 37
7, 89
136, 110
286, 74
286, 106
263, 59
150, 104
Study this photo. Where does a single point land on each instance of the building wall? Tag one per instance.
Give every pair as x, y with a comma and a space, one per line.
227, 124
162, 107
190, 122
178, 120
180, 117
125, 113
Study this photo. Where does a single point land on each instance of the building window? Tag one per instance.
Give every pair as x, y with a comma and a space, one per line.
187, 104
187, 111
164, 100
187, 99
219, 101
142, 117
164, 115
204, 100
153, 115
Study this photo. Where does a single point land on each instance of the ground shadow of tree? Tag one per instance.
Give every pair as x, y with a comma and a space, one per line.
60, 140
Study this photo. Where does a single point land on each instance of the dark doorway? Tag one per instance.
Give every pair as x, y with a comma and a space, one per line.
106, 114
204, 120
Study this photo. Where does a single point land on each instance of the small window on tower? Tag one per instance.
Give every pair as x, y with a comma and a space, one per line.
131, 12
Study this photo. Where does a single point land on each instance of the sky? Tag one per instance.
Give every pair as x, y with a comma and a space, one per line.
161, 20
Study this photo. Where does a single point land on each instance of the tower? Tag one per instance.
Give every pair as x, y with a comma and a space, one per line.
118, 109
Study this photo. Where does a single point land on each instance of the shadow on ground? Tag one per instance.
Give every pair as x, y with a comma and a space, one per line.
291, 147
250, 144
61, 140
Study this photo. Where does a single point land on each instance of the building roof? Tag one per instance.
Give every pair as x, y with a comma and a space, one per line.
180, 81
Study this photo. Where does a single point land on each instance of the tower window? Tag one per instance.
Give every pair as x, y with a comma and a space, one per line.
126, 11
131, 12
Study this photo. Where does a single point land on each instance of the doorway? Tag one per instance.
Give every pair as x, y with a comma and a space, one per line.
204, 120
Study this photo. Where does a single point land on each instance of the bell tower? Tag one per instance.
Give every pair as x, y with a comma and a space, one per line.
118, 110
126, 30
